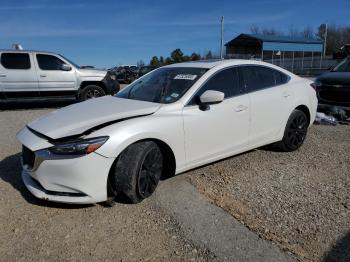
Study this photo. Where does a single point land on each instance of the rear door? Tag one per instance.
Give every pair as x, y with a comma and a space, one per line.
18, 74
51, 76
269, 102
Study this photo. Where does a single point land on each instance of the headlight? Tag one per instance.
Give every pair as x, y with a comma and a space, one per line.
79, 147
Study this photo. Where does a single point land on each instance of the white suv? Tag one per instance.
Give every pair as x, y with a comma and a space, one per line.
43, 74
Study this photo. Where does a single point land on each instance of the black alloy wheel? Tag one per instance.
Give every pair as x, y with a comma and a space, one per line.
150, 171
137, 171
295, 131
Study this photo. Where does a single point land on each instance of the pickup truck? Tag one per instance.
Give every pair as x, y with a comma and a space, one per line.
35, 74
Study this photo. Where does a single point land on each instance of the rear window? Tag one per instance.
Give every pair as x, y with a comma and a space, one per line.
343, 66
15, 60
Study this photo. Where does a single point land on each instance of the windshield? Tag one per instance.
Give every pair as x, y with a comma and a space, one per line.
343, 66
164, 85
72, 63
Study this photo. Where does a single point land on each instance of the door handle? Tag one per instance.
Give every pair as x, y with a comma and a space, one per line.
241, 108
286, 95
42, 75
2, 75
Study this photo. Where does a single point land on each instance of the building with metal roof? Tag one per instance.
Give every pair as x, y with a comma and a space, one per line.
256, 45
296, 54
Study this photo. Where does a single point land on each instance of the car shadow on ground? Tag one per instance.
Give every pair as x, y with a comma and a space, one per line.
10, 172
36, 104
340, 252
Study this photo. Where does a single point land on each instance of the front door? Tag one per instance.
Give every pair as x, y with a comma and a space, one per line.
51, 76
223, 128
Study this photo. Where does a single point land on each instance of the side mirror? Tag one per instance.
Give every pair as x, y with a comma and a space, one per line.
211, 97
66, 67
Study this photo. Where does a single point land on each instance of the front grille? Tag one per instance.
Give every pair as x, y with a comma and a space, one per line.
28, 157
334, 96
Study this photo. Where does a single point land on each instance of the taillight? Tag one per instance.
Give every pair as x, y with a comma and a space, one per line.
315, 85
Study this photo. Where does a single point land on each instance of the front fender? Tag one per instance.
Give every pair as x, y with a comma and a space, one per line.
168, 129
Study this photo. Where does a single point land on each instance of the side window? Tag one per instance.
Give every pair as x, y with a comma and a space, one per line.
250, 78
49, 62
266, 76
280, 78
260, 77
226, 81
15, 60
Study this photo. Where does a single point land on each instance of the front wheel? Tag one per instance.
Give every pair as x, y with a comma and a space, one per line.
91, 91
295, 132
137, 171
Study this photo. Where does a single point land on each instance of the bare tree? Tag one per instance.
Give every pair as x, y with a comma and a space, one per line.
140, 63
293, 32
254, 29
337, 36
308, 32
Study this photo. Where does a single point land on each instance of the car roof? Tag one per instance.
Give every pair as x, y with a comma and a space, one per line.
213, 63
27, 51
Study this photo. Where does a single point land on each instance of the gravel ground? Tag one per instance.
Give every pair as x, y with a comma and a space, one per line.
299, 200
35, 230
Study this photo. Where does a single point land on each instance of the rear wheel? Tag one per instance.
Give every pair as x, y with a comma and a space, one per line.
137, 171
91, 91
295, 132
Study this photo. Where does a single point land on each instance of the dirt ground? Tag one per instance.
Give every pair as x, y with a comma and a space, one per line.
33, 230
299, 200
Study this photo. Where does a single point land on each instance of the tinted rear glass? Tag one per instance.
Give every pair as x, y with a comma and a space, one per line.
343, 66
260, 77
15, 60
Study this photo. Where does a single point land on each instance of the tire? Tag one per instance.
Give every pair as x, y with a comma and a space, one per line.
91, 91
295, 132
137, 171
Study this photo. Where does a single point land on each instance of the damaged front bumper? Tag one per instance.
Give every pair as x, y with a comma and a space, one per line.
79, 180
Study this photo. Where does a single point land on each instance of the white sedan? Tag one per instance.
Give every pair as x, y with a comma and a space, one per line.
173, 119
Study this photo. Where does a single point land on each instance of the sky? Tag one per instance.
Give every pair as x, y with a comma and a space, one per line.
108, 33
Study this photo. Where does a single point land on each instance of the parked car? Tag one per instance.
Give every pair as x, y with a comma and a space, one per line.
342, 52
45, 74
123, 74
144, 70
333, 87
176, 118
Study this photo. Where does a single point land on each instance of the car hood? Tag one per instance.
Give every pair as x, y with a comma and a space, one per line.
81, 117
335, 78
92, 72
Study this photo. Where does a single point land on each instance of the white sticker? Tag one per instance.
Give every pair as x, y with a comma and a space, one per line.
174, 95
185, 77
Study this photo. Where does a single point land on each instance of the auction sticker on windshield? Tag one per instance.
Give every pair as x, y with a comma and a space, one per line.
185, 77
